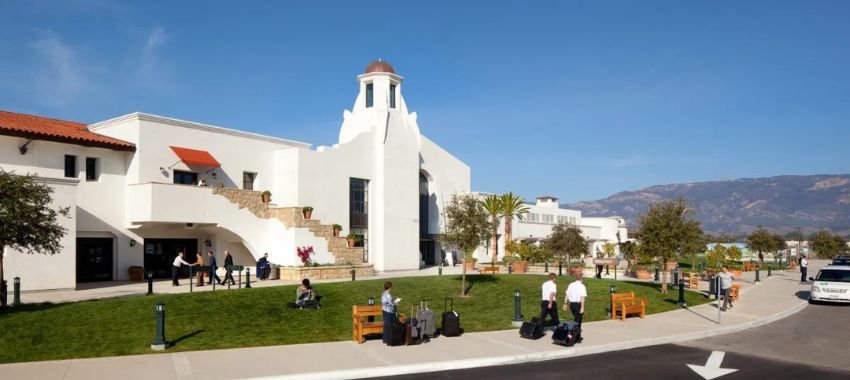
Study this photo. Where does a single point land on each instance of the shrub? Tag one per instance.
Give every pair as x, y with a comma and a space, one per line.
304, 254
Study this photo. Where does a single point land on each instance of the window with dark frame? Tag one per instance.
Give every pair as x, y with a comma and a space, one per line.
70, 166
91, 169
185, 178
370, 94
359, 212
248, 180
392, 96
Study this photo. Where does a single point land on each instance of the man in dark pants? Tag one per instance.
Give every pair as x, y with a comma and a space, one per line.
804, 267
548, 306
228, 262
576, 294
175, 268
213, 267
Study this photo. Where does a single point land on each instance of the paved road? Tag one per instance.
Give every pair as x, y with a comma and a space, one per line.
810, 344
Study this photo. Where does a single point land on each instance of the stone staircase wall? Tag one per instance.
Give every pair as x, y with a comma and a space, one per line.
292, 217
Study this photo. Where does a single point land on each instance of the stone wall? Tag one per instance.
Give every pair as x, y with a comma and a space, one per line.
324, 273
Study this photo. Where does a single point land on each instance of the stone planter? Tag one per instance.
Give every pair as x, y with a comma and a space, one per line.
326, 272
519, 266
136, 273
350, 243
470, 265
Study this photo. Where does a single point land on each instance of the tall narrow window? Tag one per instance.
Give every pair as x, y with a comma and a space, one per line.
70, 166
370, 95
358, 200
248, 180
91, 169
392, 96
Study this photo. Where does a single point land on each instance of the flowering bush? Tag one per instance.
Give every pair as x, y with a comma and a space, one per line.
304, 254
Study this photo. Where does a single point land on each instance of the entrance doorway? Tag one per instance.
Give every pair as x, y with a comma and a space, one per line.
160, 253
94, 259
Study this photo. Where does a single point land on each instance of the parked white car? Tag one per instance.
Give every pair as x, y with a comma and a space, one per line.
832, 284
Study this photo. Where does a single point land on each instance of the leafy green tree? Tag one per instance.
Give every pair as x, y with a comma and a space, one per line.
27, 222
733, 253
761, 241
667, 233
512, 206
629, 250
466, 228
827, 245
716, 256
493, 204
566, 242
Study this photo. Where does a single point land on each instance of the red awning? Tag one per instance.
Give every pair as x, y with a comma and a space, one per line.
193, 157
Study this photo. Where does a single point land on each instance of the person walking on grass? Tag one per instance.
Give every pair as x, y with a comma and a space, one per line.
576, 296
548, 305
726, 287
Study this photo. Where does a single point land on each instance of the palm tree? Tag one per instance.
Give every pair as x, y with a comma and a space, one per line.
493, 204
511, 206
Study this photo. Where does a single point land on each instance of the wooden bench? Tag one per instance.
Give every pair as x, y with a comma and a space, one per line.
733, 292
360, 324
486, 270
627, 303
691, 280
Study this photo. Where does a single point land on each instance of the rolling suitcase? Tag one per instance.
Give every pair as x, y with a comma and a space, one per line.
427, 320
397, 333
412, 330
451, 320
532, 329
565, 334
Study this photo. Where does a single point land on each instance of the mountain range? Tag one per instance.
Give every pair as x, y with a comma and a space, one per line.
781, 204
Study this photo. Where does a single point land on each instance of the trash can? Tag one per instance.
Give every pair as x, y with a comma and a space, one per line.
275, 272
712, 285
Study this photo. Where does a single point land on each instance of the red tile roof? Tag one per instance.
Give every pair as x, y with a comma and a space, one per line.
42, 128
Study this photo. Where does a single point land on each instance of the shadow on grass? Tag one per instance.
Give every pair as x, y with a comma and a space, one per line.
28, 308
472, 280
184, 337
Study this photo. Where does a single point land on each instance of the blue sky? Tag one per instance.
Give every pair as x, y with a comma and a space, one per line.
576, 99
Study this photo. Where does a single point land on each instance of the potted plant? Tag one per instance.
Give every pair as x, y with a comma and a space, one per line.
337, 228
304, 254
266, 196
517, 253
308, 212
136, 273
352, 239
469, 261
641, 272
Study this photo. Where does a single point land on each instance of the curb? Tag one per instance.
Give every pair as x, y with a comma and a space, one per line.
360, 373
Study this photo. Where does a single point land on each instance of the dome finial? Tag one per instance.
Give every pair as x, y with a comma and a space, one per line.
379, 66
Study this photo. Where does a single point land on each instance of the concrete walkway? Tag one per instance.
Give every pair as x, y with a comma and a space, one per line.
772, 299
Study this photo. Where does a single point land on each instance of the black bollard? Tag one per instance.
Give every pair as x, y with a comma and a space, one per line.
681, 301
353, 275
510, 269
159, 342
190, 280
371, 302
247, 278
150, 284
560, 269
611, 290
3, 293
769, 274
656, 274
517, 307
758, 278
16, 298
546, 267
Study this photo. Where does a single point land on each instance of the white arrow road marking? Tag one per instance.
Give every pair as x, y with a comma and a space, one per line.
711, 369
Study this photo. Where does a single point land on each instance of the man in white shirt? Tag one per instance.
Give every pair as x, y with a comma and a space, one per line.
175, 268
804, 267
576, 294
548, 306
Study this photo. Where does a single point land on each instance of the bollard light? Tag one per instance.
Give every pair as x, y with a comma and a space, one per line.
510, 269
681, 301
769, 274
159, 343
16, 300
517, 307
371, 302
560, 269
150, 284
247, 278
440, 269
758, 278
546, 267
656, 274
611, 290
353, 275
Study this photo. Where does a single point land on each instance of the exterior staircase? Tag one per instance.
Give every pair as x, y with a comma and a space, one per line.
292, 217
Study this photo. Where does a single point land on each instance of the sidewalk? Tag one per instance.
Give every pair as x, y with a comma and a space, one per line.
772, 299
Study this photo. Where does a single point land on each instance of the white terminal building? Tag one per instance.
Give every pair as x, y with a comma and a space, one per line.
132, 185
536, 225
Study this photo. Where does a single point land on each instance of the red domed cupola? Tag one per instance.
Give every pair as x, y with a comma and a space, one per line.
379, 66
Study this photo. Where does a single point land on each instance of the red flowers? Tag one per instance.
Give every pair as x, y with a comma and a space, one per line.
304, 254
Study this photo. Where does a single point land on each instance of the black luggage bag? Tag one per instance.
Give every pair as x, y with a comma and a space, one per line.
397, 334
532, 329
451, 320
566, 334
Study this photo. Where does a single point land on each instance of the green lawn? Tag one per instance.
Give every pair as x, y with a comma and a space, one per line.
258, 317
